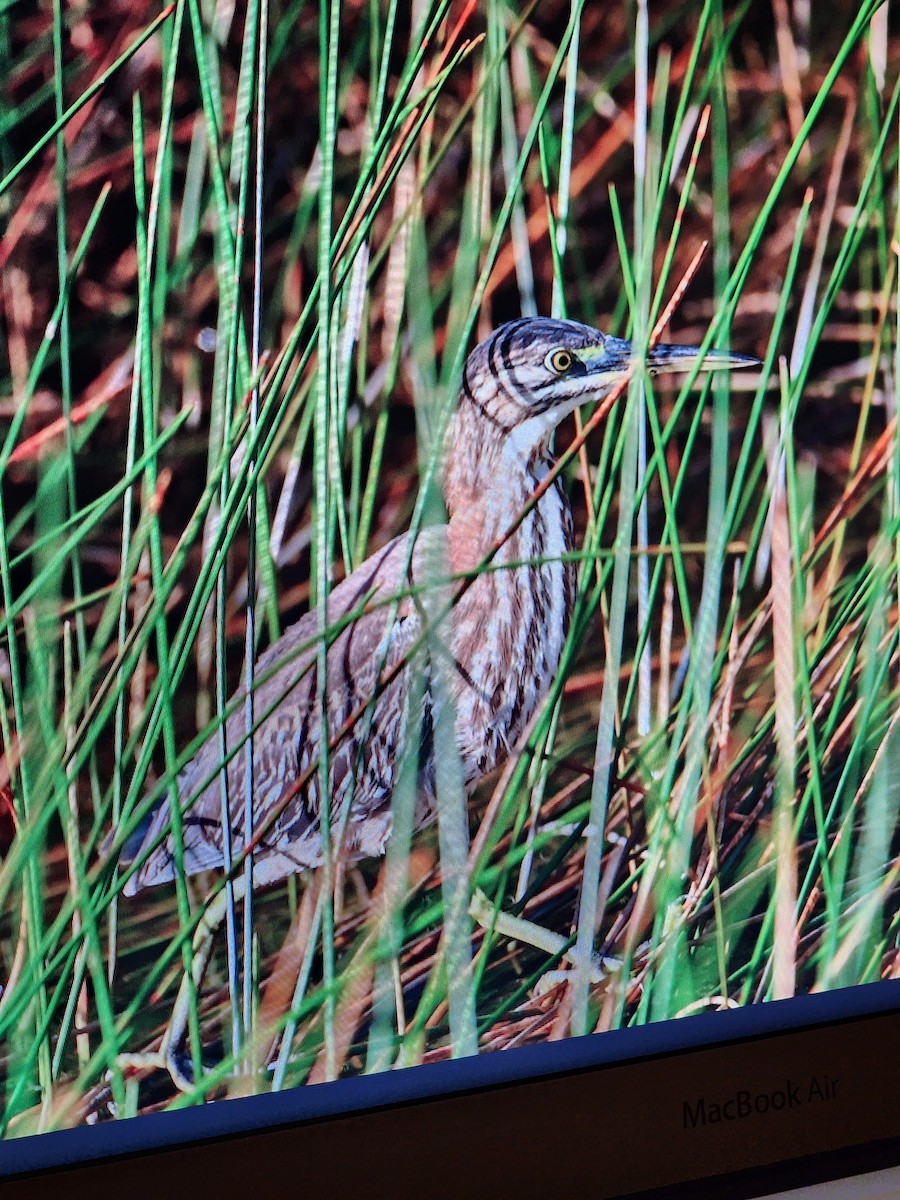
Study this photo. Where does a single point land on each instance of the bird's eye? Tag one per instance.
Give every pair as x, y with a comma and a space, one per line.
559, 361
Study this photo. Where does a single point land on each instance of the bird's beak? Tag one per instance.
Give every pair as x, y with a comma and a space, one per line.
616, 355
683, 358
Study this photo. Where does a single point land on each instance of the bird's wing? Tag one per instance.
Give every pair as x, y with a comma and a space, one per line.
362, 764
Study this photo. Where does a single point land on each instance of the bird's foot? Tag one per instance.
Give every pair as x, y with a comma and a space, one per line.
181, 1068
521, 930
553, 979
131, 1066
145, 1060
174, 1059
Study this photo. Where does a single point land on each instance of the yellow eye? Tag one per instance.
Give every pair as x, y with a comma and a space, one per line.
559, 361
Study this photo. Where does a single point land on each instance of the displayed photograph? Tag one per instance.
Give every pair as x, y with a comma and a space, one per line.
449, 532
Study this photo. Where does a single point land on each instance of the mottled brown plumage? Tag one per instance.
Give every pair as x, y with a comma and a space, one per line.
504, 636
498, 647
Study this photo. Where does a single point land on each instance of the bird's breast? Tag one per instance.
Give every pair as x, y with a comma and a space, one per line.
510, 627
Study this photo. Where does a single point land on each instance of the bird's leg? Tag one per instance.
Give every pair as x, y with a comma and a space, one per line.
522, 930
172, 1055
172, 1048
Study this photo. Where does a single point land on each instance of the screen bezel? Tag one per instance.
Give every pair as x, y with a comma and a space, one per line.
630, 1081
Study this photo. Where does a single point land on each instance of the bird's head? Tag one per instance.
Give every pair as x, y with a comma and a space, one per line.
530, 374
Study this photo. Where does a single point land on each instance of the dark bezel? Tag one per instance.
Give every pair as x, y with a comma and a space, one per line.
605, 1115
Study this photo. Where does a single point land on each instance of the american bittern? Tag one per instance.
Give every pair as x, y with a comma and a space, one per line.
504, 636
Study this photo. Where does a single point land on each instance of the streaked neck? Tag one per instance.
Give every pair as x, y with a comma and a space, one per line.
490, 476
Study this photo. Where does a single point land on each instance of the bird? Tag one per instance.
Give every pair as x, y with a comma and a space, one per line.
501, 640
